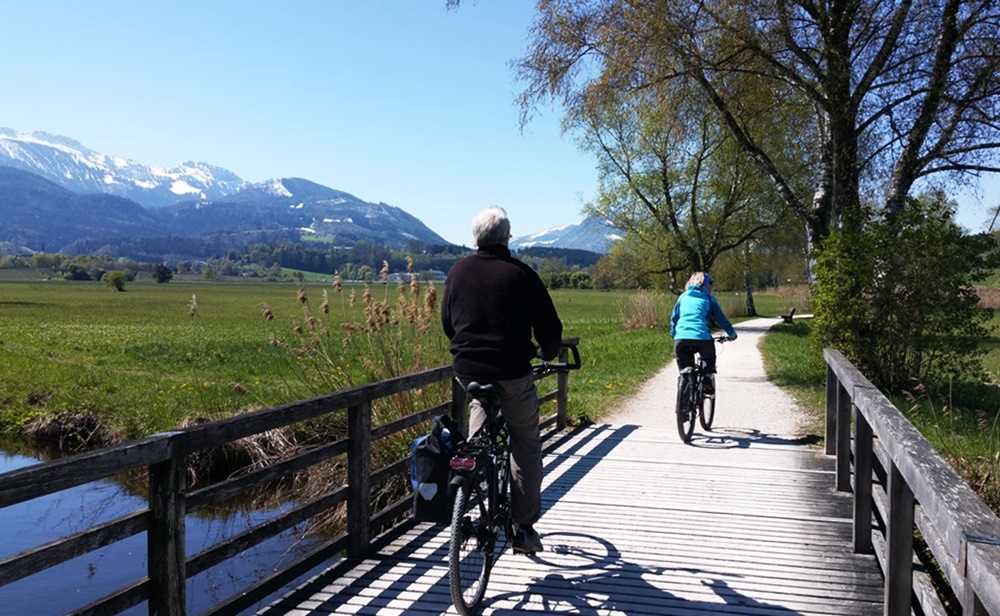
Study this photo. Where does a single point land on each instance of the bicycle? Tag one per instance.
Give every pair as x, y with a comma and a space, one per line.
692, 399
481, 508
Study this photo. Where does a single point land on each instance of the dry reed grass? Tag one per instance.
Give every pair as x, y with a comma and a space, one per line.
386, 339
989, 297
642, 310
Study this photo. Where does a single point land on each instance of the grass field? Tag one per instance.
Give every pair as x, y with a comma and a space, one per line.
159, 355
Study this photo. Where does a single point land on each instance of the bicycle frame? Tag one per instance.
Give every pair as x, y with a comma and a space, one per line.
488, 454
481, 495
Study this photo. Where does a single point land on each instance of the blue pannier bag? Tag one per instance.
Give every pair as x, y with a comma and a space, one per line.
430, 470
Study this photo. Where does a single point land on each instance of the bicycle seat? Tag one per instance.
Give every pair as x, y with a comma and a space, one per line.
489, 392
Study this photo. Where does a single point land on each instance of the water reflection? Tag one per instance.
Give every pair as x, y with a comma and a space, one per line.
91, 576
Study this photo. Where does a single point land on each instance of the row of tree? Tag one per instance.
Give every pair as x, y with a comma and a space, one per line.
717, 125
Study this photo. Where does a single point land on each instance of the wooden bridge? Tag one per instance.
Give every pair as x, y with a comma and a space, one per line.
638, 523
634, 522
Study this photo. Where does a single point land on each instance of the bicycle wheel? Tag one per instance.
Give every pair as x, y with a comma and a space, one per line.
706, 411
685, 408
470, 551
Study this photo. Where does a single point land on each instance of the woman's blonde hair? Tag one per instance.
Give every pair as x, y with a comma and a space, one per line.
698, 279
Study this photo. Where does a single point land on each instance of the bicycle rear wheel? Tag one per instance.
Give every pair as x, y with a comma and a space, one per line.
706, 411
685, 408
470, 550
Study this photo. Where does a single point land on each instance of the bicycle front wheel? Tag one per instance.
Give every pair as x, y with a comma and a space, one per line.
685, 408
470, 551
706, 411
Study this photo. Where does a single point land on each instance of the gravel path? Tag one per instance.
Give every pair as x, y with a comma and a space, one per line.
747, 404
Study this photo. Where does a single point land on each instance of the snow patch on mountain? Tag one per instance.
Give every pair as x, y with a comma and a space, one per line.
590, 234
77, 168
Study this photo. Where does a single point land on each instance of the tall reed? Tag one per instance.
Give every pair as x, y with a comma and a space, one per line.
337, 346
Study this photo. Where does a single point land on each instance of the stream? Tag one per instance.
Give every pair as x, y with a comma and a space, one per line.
79, 581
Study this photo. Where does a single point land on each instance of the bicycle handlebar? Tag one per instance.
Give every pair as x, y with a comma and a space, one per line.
545, 367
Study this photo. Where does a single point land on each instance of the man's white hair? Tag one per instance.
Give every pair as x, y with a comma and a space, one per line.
491, 227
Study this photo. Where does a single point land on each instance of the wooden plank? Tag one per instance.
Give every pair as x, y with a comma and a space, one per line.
166, 538
252, 536
635, 526
983, 571
222, 431
218, 492
51, 554
49, 477
359, 483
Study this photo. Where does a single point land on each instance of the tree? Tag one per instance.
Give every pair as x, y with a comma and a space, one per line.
917, 315
116, 279
162, 273
671, 171
890, 93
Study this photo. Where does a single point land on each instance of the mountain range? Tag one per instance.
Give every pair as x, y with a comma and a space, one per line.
58, 195
591, 234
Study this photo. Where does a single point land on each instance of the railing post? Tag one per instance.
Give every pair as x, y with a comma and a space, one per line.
899, 542
844, 406
863, 458
831, 411
459, 406
359, 457
165, 538
562, 391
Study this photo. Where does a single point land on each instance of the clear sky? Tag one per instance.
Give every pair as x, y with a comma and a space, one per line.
398, 101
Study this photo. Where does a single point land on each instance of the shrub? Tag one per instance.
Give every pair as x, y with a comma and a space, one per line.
896, 296
641, 310
115, 279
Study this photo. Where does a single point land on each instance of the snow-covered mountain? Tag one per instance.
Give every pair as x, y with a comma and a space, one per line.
81, 170
591, 234
306, 207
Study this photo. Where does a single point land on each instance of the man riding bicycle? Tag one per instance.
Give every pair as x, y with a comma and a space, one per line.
689, 326
492, 305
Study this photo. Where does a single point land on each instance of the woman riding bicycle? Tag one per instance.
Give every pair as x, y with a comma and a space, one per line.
689, 325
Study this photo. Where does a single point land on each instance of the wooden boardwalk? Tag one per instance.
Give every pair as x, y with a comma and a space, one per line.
637, 523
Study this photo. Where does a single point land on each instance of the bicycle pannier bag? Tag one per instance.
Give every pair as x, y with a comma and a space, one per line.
430, 471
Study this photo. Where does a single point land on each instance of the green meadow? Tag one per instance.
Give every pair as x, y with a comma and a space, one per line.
78, 356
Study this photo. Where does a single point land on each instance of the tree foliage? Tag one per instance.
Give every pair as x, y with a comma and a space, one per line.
116, 279
881, 94
896, 297
671, 176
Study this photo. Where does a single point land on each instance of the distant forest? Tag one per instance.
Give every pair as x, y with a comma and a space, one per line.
271, 260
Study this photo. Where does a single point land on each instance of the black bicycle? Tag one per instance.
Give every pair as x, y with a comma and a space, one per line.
691, 397
482, 495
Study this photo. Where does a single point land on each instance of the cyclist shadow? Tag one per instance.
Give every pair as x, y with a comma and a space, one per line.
744, 438
589, 581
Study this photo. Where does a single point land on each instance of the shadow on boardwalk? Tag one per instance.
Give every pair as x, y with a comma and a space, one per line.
643, 529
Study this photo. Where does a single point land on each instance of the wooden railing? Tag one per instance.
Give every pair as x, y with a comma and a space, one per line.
164, 455
901, 484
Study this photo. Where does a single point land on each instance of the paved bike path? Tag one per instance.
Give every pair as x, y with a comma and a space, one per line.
747, 401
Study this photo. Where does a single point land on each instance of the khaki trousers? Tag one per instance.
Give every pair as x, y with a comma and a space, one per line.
519, 407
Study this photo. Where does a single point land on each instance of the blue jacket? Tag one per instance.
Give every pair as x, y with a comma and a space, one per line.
692, 312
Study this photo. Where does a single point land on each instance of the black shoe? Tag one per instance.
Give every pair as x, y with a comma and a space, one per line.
526, 540
708, 385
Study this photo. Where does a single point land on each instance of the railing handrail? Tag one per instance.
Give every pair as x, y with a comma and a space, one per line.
169, 501
921, 490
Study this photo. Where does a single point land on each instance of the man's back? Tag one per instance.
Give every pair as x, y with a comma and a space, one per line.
493, 305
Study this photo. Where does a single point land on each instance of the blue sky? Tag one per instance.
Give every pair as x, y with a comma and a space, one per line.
399, 101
